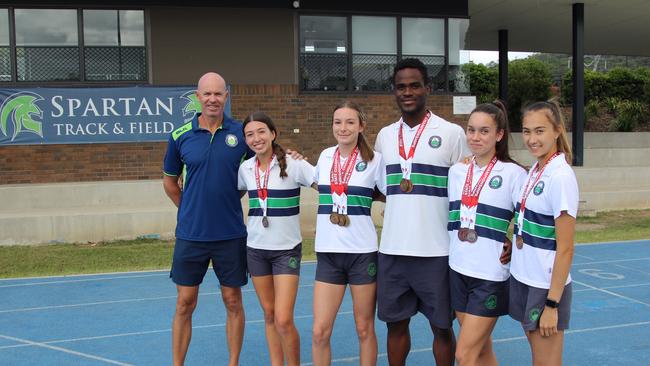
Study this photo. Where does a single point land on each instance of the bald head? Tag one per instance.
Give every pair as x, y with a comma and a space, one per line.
211, 80
212, 94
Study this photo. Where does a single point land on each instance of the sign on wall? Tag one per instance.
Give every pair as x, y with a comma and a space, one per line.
94, 115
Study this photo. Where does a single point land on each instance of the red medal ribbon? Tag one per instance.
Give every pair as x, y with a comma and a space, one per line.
414, 143
262, 190
528, 188
470, 196
339, 178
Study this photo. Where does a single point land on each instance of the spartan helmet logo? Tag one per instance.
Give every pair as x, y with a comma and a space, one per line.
192, 105
20, 112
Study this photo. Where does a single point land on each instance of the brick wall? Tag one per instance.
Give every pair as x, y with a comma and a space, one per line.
309, 113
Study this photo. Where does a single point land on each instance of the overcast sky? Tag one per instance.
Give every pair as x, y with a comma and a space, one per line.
484, 57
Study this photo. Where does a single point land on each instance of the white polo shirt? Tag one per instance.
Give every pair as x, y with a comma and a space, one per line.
283, 206
360, 235
495, 210
415, 223
556, 191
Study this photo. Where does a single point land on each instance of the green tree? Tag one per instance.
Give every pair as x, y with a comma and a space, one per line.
529, 80
482, 81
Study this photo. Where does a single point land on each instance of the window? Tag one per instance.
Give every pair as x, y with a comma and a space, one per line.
374, 52
358, 53
49, 47
114, 45
458, 55
323, 53
5, 51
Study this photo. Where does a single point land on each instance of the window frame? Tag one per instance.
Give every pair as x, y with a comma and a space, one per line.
350, 54
82, 81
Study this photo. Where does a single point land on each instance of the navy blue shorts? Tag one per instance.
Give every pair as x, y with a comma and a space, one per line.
527, 304
344, 268
192, 258
406, 285
264, 262
478, 297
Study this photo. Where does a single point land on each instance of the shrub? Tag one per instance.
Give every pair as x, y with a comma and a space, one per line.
629, 114
482, 81
529, 80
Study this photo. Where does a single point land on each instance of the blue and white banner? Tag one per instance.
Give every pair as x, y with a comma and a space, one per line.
94, 115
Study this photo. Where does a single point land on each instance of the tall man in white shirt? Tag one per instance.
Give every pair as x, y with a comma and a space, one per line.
413, 269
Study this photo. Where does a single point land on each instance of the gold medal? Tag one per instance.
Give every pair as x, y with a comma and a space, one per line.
406, 185
462, 234
334, 218
520, 241
471, 236
265, 221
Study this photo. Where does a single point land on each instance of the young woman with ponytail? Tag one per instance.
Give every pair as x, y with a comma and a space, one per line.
274, 250
482, 196
540, 286
346, 240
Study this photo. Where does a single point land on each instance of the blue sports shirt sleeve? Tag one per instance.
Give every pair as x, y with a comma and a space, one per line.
172, 163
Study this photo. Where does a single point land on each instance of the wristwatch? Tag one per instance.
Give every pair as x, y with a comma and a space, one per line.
552, 303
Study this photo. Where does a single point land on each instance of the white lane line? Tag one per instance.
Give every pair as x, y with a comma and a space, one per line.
613, 287
82, 280
500, 340
257, 321
18, 310
124, 275
612, 261
584, 256
64, 350
632, 269
612, 293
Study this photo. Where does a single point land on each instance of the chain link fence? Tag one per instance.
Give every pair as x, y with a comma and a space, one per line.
5, 64
115, 63
373, 72
323, 72
47, 63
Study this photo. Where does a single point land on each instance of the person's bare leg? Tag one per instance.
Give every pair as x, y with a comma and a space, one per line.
398, 342
266, 295
232, 300
286, 289
364, 300
444, 345
327, 301
546, 350
182, 323
474, 342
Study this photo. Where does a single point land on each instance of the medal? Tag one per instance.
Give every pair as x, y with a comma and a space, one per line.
406, 161
344, 221
471, 236
334, 218
462, 234
406, 185
526, 192
339, 178
262, 189
469, 201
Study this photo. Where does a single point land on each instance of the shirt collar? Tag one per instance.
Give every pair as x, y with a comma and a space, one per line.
434, 122
226, 124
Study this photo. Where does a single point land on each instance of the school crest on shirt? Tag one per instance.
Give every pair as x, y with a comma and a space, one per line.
496, 182
539, 188
491, 302
231, 140
372, 269
435, 142
361, 166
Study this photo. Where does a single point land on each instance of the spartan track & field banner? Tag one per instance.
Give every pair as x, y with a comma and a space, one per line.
32, 116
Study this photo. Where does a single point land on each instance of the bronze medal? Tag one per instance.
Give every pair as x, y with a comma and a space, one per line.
471, 236
520, 241
265, 221
334, 218
406, 185
345, 220
462, 234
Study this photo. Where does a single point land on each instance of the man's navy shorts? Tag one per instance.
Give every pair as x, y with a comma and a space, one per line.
192, 258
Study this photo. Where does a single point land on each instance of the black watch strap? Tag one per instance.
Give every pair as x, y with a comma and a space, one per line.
552, 304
